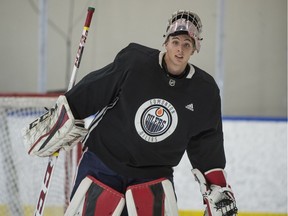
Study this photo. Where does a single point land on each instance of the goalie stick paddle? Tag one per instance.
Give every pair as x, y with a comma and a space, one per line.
53, 159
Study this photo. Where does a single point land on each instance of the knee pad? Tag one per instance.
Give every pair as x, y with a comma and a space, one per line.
92, 197
154, 198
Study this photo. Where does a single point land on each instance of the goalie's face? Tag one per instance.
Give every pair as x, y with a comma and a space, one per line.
179, 49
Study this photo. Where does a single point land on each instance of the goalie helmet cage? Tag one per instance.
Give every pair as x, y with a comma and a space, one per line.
21, 175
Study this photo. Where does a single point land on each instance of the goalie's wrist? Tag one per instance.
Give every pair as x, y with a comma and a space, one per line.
216, 177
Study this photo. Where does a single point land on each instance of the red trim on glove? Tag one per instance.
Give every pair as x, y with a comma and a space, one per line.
216, 177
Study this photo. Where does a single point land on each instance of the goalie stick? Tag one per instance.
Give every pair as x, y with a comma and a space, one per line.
53, 159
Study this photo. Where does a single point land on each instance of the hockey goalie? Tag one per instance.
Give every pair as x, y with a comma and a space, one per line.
150, 107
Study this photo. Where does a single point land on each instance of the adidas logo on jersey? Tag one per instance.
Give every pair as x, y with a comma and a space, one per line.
190, 107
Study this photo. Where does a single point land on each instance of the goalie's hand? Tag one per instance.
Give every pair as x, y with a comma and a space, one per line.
56, 129
217, 194
220, 201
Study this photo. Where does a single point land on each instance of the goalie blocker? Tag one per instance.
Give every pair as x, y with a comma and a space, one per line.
54, 130
217, 194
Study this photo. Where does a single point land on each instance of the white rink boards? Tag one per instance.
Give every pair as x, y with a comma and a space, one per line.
256, 154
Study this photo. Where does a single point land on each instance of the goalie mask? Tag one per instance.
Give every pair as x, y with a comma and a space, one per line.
186, 22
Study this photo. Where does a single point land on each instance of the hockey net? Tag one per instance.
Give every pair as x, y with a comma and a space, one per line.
21, 175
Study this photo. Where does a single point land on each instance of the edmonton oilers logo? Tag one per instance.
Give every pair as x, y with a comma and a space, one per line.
155, 120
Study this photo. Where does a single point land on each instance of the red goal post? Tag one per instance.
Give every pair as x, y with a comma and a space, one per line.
21, 175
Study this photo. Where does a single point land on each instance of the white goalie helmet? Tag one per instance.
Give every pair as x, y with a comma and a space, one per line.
185, 21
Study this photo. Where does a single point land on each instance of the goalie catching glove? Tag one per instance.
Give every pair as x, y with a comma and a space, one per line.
56, 129
217, 195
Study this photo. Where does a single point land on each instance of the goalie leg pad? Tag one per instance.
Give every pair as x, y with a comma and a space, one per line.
95, 198
54, 130
154, 198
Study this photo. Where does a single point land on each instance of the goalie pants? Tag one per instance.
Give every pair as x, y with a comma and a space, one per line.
90, 164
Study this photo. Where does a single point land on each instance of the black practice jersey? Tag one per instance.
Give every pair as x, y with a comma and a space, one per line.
146, 119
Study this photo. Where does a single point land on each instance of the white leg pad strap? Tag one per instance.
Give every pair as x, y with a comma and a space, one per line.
155, 198
95, 198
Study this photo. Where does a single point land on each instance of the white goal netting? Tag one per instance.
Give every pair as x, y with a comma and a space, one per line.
21, 175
